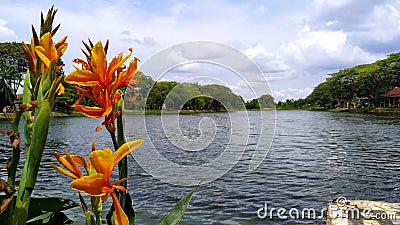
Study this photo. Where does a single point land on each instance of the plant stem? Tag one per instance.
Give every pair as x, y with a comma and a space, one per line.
97, 208
123, 164
12, 167
33, 157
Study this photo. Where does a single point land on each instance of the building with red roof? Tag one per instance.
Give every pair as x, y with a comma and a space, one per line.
394, 97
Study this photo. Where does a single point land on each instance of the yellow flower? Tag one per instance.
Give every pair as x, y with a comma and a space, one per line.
100, 165
49, 52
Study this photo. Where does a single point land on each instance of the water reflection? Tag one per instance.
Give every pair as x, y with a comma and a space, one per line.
315, 157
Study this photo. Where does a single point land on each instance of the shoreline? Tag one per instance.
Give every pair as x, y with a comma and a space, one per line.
376, 111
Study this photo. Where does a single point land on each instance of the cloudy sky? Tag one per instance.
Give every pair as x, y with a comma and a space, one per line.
295, 43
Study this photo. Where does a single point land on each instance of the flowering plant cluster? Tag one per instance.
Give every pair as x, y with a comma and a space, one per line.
98, 80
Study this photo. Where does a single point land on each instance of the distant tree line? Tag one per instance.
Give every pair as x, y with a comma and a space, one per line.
151, 95
171, 95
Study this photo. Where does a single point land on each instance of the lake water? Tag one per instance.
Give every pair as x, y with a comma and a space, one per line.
315, 157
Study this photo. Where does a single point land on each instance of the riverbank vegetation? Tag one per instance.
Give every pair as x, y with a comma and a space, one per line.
363, 88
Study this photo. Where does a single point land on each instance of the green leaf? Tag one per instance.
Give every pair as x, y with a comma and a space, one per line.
44, 217
46, 209
174, 217
50, 218
51, 204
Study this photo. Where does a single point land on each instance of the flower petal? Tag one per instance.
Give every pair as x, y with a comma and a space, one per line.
102, 161
61, 50
75, 168
119, 181
61, 42
98, 60
47, 42
60, 89
63, 161
63, 171
125, 149
82, 77
41, 52
120, 217
114, 65
80, 160
29, 57
93, 185
90, 111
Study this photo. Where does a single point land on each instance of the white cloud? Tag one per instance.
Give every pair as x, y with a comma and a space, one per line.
332, 4
256, 51
291, 93
330, 23
385, 21
179, 8
261, 9
126, 36
273, 67
323, 49
6, 34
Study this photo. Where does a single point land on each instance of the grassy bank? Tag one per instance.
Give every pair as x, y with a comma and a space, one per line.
310, 108
369, 110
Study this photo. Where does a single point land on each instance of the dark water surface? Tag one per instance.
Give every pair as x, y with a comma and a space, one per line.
315, 157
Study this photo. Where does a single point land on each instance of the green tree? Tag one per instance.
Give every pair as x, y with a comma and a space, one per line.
142, 89
13, 65
222, 98
252, 104
266, 101
369, 80
158, 94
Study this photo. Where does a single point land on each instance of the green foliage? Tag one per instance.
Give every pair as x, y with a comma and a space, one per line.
172, 95
12, 67
174, 217
50, 218
46, 210
253, 104
67, 99
263, 102
370, 81
222, 98
290, 104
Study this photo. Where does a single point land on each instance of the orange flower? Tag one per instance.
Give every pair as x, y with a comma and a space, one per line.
49, 52
70, 162
30, 55
98, 183
101, 82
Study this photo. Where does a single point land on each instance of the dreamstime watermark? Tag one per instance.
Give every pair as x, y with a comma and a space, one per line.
292, 213
339, 209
